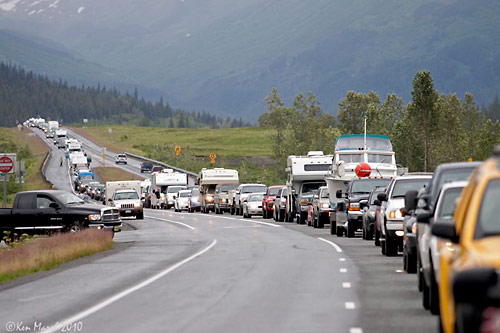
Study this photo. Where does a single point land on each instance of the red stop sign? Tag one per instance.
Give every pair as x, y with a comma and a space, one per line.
363, 170
6, 164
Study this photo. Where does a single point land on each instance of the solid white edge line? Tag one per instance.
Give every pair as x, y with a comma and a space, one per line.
59, 325
170, 221
337, 248
346, 285
355, 330
350, 305
343, 270
342, 259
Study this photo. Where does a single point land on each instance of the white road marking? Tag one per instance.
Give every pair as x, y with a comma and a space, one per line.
170, 221
350, 305
342, 259
337, 248
343, 270
346, 285
59, 325
355, 330
241, 226
239, 220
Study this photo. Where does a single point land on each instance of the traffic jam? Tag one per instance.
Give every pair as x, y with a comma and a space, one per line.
444, 223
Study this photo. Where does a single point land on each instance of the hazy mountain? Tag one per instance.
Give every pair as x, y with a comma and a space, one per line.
225, 55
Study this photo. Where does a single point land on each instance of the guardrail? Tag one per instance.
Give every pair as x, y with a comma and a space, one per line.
168, 166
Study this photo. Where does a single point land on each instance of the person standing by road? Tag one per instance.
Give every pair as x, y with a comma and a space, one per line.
61, 162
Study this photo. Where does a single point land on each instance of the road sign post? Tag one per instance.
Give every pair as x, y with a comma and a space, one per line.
212, 158
6, 166
177, 150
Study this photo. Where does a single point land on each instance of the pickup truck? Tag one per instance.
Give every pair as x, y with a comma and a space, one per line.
52, 210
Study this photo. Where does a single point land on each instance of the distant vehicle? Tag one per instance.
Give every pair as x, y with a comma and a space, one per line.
221, 199
163, 181
49, 135
124, 195
157, 169
243, 191
83, 180
209, 179
391, 216
253, 205
268, 201
171, 195
146, 167
369, 213
280, 205
305, 175
181, 200
34, 211
121, 158
61, 134
194, 201
356, 197
320, 208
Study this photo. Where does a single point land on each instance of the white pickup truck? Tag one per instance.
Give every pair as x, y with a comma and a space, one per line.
125, 195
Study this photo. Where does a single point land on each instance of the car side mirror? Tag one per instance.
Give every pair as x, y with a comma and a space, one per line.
424, 217
445, 230
411, 200
363, 204
54, 205
382, 197
316, 196
338, 194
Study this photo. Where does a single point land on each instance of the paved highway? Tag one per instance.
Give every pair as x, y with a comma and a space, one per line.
181, 272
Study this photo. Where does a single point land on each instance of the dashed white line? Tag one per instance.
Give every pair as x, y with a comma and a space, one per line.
342, 259
170, 221
350, 305
355, 330
343, 270
337, 248
239, 220
346, 285
64, 323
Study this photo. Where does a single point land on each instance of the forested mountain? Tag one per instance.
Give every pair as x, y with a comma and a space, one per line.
225, 56
25, 94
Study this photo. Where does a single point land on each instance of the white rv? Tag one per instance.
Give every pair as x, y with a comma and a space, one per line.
168, 183
53, 125
61, 133
209, 179
305, 175
350, 151
125, 195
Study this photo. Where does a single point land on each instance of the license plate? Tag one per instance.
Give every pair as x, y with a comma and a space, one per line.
128, 211
116, 228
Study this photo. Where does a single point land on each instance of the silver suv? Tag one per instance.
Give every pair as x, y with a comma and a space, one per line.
243, 191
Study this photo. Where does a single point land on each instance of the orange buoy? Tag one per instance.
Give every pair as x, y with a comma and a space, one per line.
363, 170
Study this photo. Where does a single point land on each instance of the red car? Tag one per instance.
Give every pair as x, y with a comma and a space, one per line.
268, 201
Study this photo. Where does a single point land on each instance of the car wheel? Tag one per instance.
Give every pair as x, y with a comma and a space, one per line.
231, 210
433, 294
420, 277
76, 227
364, 233
411, 264
140, 216
340, 231
281, 216
425, 295
377, 237
350, 231
333, 230
321, 222
391, 249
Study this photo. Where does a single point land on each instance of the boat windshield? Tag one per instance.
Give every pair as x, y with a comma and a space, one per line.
373, 142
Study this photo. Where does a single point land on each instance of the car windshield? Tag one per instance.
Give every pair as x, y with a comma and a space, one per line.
454, 175
175, 189
255, 197
254, 188
351, 158
273, 191
183, 194
68, 199
488, 223
122, 156
324, 193
311, 187
404, 185
126, 196
227, 188
366, 186
447, 202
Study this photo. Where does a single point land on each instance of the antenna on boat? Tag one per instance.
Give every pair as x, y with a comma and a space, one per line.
364, 141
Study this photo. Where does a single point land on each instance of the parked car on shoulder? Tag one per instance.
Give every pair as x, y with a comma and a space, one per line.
252, 205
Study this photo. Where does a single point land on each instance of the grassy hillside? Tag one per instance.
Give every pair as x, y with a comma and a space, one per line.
230, 142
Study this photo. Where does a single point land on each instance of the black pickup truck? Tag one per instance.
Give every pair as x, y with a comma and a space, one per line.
45, 211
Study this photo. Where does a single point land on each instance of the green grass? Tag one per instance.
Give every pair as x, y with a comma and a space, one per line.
230, 142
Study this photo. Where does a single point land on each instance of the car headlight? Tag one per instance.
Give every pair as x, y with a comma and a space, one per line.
325, 205
414, 228
137, 205
354, 206
94, 217
395, 214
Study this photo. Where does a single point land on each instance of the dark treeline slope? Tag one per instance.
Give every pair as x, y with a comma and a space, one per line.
25, 94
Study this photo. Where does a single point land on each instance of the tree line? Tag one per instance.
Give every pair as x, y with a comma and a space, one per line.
433, 128
25, 94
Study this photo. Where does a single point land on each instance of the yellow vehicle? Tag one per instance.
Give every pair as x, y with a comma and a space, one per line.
469, 269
